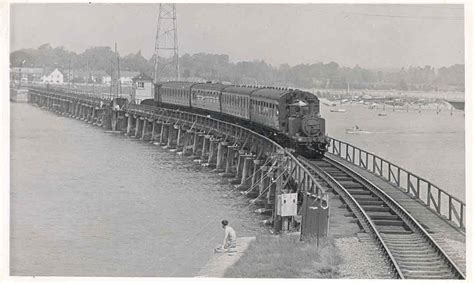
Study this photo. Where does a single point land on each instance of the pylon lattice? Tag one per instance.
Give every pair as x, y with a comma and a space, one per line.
166, 44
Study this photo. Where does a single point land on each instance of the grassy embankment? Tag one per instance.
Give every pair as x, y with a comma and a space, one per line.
286, 257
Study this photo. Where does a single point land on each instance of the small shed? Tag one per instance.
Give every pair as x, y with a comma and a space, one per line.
142, 87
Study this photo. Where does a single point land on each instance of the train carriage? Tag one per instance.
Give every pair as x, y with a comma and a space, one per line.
265, 107
207, 96
235, 101
175, 93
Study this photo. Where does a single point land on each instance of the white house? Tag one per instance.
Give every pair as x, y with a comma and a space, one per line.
55, 77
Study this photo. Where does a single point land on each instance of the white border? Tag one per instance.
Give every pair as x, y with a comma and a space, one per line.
5, 130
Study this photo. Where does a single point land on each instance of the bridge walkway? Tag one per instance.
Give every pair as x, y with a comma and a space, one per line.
449, 237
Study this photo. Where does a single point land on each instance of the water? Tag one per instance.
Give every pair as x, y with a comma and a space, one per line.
429, 145
88, 203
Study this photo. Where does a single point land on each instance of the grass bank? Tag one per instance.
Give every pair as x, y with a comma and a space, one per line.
286, 257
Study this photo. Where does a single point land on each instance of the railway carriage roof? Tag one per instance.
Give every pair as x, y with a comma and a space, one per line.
271, 93
177, 84
240, 89
210, 86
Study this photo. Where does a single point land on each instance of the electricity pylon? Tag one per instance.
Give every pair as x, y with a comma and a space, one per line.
166, 44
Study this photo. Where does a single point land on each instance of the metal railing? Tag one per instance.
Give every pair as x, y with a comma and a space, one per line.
75, 95
436, 199
75, 91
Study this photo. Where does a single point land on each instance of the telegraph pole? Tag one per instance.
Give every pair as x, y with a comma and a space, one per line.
69, 75
166, 44
119, 82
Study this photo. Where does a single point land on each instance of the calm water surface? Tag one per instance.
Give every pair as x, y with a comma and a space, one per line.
85, 202
429, 145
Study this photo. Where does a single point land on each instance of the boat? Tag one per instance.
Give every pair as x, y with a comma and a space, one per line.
356, 130
459, 105
338, 110
382, 114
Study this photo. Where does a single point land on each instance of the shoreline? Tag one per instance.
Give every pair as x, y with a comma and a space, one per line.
220, 262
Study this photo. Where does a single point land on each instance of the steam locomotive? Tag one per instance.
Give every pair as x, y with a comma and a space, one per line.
291, 117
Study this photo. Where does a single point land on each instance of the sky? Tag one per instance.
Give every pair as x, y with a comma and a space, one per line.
372, 36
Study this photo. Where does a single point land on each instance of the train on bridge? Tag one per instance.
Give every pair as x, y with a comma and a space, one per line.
291, 117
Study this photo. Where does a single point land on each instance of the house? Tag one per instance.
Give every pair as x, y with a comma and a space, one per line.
97, 76
88, 76
142, 87
125, 78
27, 74
54, 77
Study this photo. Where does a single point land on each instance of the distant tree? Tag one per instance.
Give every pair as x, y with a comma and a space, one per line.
402, 85
219, 67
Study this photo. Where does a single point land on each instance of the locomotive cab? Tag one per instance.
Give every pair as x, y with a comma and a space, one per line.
296, 112
305, 125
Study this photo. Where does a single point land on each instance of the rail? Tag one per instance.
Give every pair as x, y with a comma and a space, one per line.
406, 217
436, 199
359, 212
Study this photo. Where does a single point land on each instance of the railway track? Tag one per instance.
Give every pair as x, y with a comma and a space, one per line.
409, 249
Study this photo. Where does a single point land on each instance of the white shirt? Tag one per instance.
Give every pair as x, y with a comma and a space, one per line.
229, 234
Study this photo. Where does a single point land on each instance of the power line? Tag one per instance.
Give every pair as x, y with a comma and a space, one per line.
438, 6
405, 17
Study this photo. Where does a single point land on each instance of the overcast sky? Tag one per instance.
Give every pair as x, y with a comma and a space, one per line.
369, 35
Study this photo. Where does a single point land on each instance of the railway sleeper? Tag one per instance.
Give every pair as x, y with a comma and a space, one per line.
414, 238
385, 222
377, 208
409, 264
394, 230
351, 185
333, 170
383, 215
427, 269
428, 277
356, 192
420, 253
421, 273
344, 180
417, 257
341, 176
417, 245
365, 198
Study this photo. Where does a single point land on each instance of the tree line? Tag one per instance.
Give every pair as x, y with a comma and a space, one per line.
258, 72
